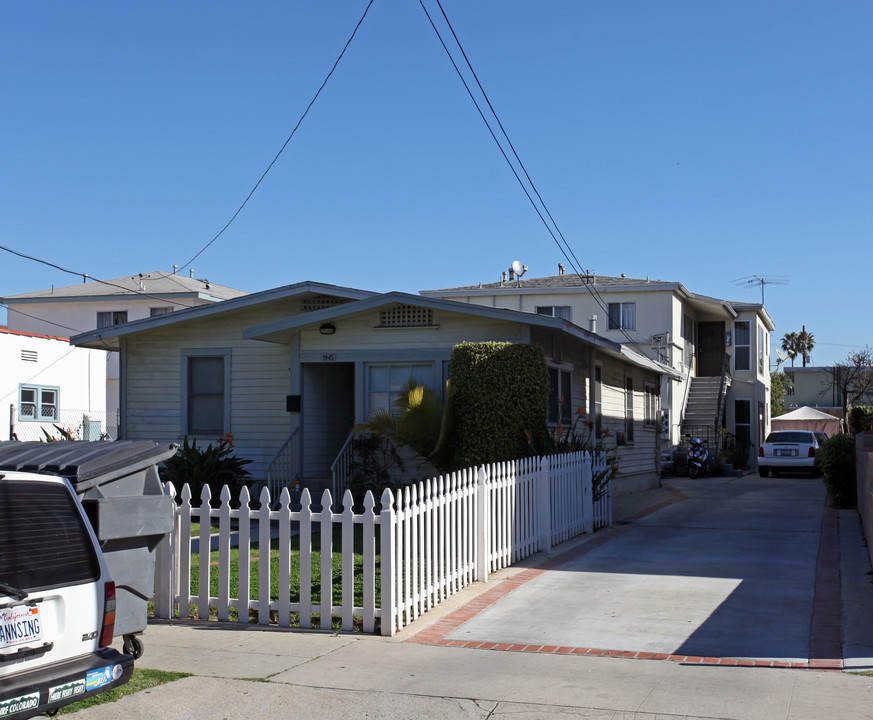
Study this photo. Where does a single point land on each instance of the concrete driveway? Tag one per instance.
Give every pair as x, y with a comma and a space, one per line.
727, 571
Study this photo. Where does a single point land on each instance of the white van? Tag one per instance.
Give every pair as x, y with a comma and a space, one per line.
57, 601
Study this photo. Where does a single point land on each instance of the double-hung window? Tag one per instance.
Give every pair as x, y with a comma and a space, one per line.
622, 316
651, 404
558, 311
560, 395
742, 338
108, 319
206, 384
629, 409
38, 403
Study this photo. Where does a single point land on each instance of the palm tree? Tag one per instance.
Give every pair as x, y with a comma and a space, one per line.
791, 345
806, 341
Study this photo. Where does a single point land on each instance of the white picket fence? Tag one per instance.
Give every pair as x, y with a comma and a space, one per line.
434, 538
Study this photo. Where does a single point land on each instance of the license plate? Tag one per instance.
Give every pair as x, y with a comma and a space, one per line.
786, 453
19, 625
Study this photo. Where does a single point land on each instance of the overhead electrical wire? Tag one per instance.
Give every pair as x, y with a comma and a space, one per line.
287, 140
553, 229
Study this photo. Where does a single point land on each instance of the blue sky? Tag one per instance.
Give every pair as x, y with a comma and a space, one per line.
692, 141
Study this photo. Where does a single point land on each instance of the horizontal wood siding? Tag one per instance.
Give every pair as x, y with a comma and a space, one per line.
259, 377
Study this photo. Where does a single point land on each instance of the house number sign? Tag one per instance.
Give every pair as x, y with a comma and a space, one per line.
328, 357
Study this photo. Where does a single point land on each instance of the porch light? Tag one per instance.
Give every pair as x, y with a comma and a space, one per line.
327, 329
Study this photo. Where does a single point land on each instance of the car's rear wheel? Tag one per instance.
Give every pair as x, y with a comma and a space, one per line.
763, 471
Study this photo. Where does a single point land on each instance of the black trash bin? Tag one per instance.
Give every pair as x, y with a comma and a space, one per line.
119, 487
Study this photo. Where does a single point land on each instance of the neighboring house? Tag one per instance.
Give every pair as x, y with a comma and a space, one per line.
95, 304
44, 382
829, 388
288, 372
720, 349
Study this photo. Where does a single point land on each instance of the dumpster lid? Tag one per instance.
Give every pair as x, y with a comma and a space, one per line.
84, 463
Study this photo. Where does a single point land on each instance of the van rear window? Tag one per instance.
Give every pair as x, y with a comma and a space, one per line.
44, 542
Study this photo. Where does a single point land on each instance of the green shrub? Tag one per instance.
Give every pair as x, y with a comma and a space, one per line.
214, 465
838, 465
501, 393
860, 418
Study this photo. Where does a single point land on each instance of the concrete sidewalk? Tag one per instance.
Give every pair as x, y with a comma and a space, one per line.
252, 672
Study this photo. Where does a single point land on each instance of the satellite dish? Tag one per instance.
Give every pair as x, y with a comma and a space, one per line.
781, 355
518, 268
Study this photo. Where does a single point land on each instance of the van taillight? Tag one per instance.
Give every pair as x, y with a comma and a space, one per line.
108, 630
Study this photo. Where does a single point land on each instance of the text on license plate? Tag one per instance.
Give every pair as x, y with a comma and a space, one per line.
19, 625
786, 453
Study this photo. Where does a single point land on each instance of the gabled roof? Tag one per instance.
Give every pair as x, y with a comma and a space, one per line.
149, 284
108, 337
280, 330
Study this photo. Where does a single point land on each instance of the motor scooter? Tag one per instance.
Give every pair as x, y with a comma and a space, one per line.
699, 458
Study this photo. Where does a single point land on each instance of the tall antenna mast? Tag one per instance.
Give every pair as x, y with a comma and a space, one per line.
762, 281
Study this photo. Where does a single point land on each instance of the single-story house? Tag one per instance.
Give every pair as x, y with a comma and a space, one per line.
288, 372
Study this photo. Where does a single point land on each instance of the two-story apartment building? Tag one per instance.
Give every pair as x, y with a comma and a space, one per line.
720, 348
91, 305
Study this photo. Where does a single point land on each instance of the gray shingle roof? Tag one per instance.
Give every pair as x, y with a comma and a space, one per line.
156, 282
567, 280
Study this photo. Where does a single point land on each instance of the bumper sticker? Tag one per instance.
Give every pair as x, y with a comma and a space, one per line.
98, 678
68, 690
17, 704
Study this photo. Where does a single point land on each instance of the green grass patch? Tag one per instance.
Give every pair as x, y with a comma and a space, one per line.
294, 590
141, 680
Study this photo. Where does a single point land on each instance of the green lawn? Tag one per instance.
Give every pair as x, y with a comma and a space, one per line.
295, 570
141, 680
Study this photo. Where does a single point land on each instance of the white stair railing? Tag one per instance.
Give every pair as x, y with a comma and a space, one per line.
284, 468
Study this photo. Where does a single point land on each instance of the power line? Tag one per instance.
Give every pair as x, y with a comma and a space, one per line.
568, 253
287, 140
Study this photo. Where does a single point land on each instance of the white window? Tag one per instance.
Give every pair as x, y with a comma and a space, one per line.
39, 404
206, 383
651, 390
622, 316
742, 337
629, 409
108, 319
385, 381
560, 395
558, 311
761, 337
598, 401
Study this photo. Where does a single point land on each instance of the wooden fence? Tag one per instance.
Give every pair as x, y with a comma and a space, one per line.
415, 550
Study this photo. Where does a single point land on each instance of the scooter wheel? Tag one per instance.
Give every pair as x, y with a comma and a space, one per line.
693, 471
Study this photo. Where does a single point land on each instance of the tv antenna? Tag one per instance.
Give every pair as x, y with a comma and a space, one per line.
761, 280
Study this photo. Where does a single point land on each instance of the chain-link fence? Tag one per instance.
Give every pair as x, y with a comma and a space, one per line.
68, 425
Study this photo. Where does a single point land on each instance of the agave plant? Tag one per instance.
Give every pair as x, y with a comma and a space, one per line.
215, 466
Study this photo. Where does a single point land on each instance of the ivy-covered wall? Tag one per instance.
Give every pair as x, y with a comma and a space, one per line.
500, 393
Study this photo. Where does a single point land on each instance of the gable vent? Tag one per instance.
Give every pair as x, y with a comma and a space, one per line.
406, 316
321, 302
29, 356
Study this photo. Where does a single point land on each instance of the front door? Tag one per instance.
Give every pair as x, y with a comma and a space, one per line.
710, 349
328, 413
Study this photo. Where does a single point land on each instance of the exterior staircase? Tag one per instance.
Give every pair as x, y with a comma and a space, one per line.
702, 416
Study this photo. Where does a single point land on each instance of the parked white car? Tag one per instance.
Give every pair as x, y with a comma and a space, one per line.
57, 601
790, 450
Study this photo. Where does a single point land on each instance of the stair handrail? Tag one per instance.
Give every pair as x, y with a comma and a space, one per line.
722, 396
339, 468
284, 469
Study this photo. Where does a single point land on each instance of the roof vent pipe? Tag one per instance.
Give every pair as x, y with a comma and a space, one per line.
175, 268
191, 273
560, 268
592, 324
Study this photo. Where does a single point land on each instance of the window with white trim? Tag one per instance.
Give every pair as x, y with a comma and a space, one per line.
113, 317
742, 338
206, 384
38, 403
560, 395
622, 316
385, 382
598, 401
761, 350
629, 409
558, 311
651, 400
163, 310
